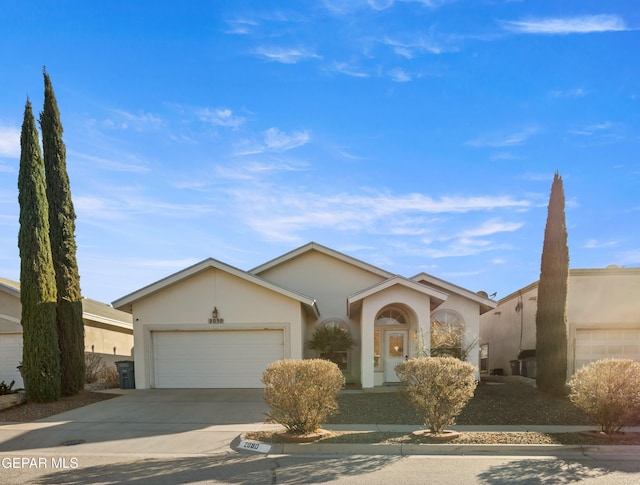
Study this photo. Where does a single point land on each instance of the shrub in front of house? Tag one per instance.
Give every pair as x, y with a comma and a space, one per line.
301, 394
608, 391
438, 388
93, 367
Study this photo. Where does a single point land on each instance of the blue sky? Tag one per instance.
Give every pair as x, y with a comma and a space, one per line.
417, 135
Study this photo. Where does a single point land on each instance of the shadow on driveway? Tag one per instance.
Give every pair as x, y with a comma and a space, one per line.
154, 420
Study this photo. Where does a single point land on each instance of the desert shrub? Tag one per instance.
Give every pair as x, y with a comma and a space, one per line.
437, 387
608, 391
110, 377
94, 366
7, 388
302, 393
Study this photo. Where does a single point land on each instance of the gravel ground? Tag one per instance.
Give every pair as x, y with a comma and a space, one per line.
503, 401
510, 402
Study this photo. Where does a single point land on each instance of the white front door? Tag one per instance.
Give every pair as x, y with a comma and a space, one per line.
395, 352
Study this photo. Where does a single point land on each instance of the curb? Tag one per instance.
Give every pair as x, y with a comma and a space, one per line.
622, 452
10, 400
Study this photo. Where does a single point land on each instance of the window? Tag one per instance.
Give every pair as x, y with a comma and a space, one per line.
447, 334
484, 357
376, 350
332, 340
390, 316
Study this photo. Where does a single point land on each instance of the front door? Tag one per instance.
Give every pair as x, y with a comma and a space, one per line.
395, 352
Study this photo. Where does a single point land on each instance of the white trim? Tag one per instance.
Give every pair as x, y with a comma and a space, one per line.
149, 329
324, 250
125, 303
108, 321
10, 318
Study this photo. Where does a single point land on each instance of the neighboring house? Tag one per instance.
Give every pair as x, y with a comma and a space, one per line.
107, 331
603, 320
216, 326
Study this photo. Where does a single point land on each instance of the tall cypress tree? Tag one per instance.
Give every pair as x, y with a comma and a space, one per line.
63, 246
551, 317
40, 354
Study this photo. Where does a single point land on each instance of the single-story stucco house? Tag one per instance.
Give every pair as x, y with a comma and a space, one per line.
107, 332
216, 326
603, 321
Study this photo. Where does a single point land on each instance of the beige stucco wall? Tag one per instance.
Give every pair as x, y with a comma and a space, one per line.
111, 341
508, 331
415, 305
596, 299
10, 310
188, 304
329, 281
469, 310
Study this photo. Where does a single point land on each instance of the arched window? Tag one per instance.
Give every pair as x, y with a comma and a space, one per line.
447, 334
390, 316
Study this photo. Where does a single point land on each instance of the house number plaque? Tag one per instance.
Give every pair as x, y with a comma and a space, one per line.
215, 319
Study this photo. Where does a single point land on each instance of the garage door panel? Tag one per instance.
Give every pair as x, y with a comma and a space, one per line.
215, 359
592, 345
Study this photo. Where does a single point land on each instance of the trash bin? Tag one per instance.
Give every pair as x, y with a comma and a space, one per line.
126, 373
515, 367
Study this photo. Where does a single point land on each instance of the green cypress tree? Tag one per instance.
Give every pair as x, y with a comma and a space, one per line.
63, 246
40, 354
551, 317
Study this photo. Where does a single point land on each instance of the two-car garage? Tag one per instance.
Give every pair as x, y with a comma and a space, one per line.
214, 358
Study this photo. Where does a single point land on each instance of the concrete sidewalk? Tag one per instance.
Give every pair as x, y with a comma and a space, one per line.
206, 422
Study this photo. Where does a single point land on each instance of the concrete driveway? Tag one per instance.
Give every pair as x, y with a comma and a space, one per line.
189, 421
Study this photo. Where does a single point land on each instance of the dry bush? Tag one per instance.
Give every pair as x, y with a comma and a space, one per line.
608, 391
302, 393
94, 366
438, 388
110, 377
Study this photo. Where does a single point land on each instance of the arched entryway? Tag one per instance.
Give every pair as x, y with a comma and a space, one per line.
391, 340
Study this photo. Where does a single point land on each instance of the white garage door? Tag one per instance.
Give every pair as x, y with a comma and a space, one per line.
10, 358
214, 359
592, 345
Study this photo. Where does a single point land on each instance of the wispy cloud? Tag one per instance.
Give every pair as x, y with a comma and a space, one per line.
464, 247
241, 26
492, 226
399, 75
274, 140
280, 214
125, 120
410, 48
585, 24
129, 163
285, 55
220, 117
9, 142
127, 203
597, 134
349, 69
504, 140
596, 244
569, 93
280, 141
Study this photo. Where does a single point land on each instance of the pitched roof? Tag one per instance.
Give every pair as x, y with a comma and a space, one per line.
486, 303
125, 303
10, 286
437, 297
314, 246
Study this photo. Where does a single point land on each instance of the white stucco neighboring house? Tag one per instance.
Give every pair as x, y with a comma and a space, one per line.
107, 332
216, 326
603, 320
